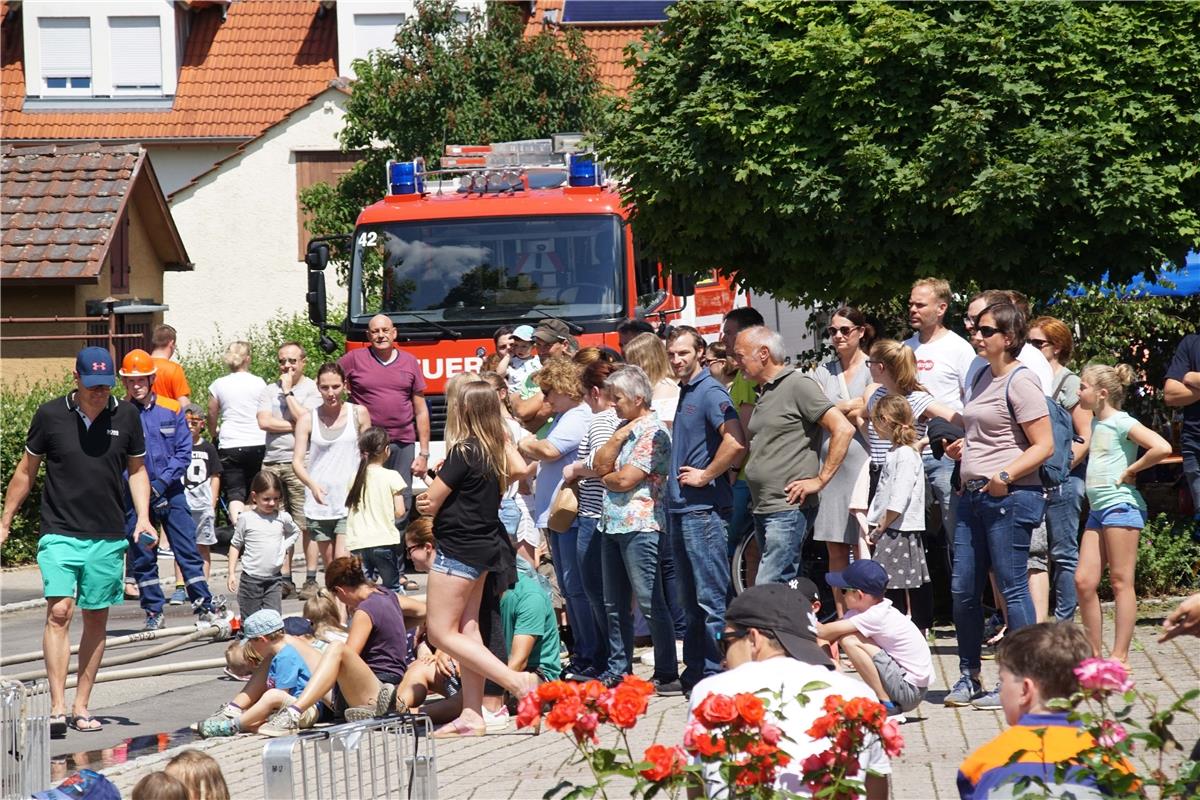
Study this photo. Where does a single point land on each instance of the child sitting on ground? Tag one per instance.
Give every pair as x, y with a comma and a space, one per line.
238, 664
1037, 665
322, 611
200, 774
887, 649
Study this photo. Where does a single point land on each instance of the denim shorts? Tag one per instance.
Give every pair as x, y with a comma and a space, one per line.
452, 566
1121, 515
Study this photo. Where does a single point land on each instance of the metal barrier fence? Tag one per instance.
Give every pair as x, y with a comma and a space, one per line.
24, 738
391, 757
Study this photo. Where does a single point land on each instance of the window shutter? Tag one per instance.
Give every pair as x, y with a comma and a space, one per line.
375, 31
66, 47
136, 52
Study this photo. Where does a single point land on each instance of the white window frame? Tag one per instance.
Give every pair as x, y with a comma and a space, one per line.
347, 9
43, 80
98, 12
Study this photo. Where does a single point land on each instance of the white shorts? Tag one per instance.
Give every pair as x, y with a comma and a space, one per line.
206, 526
527, 532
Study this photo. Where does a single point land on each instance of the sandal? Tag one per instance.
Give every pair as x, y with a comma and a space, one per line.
58, 726
410, 585
84, 724
457, 729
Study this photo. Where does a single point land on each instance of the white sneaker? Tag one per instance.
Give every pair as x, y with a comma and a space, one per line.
497, 721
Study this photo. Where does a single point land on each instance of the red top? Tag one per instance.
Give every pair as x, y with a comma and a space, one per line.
386, 390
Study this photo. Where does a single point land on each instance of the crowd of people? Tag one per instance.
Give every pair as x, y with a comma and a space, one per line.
634, 473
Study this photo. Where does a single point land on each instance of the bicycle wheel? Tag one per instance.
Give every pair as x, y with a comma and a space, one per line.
743, 567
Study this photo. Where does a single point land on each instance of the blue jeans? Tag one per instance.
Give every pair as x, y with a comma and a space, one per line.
698, 539
938, 473
1191, 473
670, 577
383, 561
992, 533
631, 567
588, 550
781, 536
177, 520
564, 551
741, 521
1062, 531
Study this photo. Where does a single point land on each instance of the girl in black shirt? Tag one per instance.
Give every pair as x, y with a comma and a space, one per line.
464, 501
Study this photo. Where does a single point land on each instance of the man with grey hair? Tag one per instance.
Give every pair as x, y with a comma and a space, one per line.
784, 471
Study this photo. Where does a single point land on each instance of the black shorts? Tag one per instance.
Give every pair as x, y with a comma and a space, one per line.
239, 465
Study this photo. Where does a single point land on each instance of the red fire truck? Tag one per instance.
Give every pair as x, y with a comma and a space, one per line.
506, 234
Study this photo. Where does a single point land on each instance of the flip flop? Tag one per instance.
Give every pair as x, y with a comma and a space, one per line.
58, 726
82, 724
457, 729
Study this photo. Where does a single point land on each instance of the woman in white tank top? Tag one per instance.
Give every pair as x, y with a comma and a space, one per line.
325, 459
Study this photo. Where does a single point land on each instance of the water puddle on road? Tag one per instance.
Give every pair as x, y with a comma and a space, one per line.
63, 765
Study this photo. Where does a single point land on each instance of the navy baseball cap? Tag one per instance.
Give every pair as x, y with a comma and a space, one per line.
865, 575
95, 367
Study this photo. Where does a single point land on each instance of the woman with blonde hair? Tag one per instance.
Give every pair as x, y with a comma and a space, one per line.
649, 352
200, 774
464, 501
233, 412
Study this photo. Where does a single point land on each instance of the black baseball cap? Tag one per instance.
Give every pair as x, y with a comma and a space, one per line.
786, 613
865, 575
806, 587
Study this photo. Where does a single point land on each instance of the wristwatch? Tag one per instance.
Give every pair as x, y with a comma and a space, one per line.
423, 455
290, 394
1004, 476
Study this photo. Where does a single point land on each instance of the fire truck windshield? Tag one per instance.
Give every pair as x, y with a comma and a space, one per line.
489, 269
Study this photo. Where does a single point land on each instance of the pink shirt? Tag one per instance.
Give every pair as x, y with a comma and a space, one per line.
897, 636
386, 390
994, 439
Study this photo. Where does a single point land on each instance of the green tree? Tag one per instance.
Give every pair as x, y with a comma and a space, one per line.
455, 78
839, 150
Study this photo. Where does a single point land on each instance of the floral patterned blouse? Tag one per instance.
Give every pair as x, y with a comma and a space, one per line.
642, 508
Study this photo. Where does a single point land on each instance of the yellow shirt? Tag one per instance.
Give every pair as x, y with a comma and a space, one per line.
742, 391
372, 523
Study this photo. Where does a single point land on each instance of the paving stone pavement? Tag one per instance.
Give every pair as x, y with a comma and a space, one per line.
518, 764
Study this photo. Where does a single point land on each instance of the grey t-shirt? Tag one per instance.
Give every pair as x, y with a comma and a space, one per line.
263, 541
280, 445
784, 438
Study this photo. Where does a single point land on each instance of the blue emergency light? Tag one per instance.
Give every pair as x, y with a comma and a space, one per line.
405, 177
582, 171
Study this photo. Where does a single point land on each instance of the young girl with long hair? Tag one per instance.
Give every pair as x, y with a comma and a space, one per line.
374, 503
464, 501
1118, 512
897, 513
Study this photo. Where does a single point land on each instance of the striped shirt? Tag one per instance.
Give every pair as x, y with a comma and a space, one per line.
918, 401
591, 490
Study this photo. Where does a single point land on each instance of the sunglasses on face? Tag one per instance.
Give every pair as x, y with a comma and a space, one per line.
1038, 343
844, 330
987, 331
727, 638
283, 361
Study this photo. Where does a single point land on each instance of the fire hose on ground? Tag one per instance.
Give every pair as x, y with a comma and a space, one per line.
217, 632
112, 641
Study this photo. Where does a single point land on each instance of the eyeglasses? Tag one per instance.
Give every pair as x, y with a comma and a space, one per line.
1038, 343
987, 331
283, 361
870, 362
969, 324
844, 330
198, 421
727, 638
412, 547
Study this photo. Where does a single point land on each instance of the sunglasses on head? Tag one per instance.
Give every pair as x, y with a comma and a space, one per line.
844, 330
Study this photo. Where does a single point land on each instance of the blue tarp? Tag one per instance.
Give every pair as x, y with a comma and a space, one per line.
1182, 282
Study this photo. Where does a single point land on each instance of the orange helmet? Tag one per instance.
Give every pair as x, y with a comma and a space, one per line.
136, 364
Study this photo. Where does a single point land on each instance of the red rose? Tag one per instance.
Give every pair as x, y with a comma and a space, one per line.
822, 726
637, 685
893, 741
716, 709
832, 703
665, 762
564, 713
554, 691
844, 741
585, 727
592, 690
750, 708
529, 710
624, 708
707, 746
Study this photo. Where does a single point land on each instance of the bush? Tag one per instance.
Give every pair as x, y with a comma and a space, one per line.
203, 365
1168, 561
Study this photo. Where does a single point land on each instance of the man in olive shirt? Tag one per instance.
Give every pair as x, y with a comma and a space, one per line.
784, 470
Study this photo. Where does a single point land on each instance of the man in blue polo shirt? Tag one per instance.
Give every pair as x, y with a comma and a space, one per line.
88, 440
168, 455
707, 443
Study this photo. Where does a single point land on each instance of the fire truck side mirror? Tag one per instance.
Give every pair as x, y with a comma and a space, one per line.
316, 298
317, 256
682, 285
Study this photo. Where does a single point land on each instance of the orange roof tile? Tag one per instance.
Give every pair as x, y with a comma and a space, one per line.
238, 77
607, 43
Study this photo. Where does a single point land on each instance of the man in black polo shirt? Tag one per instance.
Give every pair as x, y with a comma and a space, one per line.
88, 440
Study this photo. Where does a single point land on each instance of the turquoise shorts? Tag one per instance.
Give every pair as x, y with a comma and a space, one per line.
89, 569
